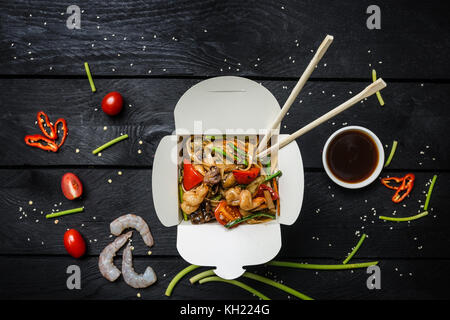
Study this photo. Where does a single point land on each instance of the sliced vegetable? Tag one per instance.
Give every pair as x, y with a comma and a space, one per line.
225, 214
374, 78
41, 142
361, 240
322, 266
275, 188
88, 72
225, 154
180, 190
178, 277
417, 216
262, 188
63, 213
71, 186
430, 190
403, 190
253, 186
236, 283
391, 154
246, 176
276, 174
276, 285
74, 243
52, 134
237, 221
191, 177
110, 143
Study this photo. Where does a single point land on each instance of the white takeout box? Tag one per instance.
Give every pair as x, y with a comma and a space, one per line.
212, 107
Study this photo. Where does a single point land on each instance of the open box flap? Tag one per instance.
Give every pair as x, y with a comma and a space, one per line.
165, 196
224, 104
291, 184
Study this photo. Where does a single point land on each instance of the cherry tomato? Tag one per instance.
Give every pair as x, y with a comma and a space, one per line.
71, 186
74, 243
191, 177
245, 177
225, 213
112, 103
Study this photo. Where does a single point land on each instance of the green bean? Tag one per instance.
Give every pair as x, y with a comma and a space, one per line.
391, 154
236, 283
63, 213
88, 72
110, 143
417, 216
430, 190
321, 266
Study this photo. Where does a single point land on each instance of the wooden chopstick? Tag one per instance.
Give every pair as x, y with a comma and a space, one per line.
367, 92
295, 92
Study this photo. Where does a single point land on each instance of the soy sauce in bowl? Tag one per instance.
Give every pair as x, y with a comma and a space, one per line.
352, 156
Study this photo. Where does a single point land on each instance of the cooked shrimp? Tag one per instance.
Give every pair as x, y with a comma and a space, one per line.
135, 222
105, 260
131, 277
195, 197
188, 209
232, 196
247, 203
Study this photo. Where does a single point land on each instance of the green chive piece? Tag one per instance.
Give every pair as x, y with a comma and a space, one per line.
374, 78
361, 240
430, 190
91, 81
110, 143
249, 217
276, 174
63, 213
201, 275
236, 283
391, 154
276, 285
178, 277
417, 216
180, 189
321, 266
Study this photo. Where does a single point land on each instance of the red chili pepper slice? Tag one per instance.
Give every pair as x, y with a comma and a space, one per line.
262, 187
52, 134
37, 140
403, 190
64, 129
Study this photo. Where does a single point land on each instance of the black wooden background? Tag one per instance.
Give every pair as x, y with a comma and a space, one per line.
152, 52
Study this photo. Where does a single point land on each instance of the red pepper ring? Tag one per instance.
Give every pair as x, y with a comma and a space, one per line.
53, 134
36, 141
407, 183
64, 129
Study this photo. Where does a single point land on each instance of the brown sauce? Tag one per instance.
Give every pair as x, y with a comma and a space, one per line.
352, 156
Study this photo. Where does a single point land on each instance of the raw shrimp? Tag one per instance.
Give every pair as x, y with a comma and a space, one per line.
131, 277
135, 222
247, 203
105, 260
195, 197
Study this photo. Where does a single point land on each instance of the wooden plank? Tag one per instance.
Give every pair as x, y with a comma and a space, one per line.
415, 114
256, 38
329, 225
400, 279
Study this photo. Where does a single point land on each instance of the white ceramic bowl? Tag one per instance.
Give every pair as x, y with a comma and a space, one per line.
374, 174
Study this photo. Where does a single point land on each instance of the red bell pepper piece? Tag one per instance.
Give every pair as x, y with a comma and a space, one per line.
246, 177
191, 177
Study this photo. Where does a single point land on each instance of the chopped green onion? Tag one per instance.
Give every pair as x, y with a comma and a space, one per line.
236, 283
178, 277
321, 266
430, 190
240, 152
63, 213
180, 189
219, 150
361, 240
110, 143
251, 216
391, 154
374, 78
276, 174
201, 275
217, 198
91, 81
417, 216
276, 285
